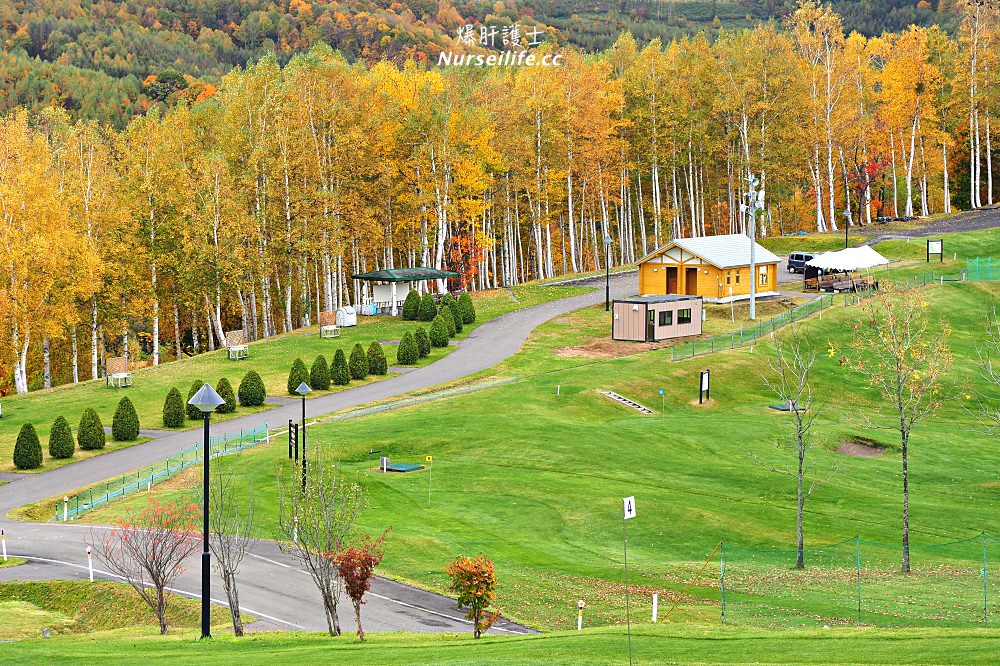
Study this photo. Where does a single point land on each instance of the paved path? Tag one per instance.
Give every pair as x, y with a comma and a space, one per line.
272, 586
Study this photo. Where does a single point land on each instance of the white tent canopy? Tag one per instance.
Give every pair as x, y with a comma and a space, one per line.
849, 259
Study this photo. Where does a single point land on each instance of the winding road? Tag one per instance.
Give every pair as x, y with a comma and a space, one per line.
272, 586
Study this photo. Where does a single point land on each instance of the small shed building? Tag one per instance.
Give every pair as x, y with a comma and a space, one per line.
655, 318
388, 298
717, 268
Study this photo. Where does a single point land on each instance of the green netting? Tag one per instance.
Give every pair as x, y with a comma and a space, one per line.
861, 582
982, 269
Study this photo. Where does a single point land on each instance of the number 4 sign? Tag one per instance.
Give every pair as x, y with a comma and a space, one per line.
628, 507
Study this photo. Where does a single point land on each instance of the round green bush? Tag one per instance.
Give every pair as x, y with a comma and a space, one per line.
407, 352
252, 392
319, 374
456, 314
90, 433
193, 412
225, 391
61, 443
449, 321
411, 306
173, 410
339, 374
467, 307
125, 424
447, 299
358, 364
297, 375
427, 308
439, 332
423, 341
377, 365
27, 450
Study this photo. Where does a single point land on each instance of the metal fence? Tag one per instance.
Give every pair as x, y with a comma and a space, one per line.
982, 269
146, 478
746, 336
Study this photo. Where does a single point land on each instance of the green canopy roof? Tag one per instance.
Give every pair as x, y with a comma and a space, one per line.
405, 274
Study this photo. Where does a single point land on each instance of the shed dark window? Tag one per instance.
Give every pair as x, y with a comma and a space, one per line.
684, 316
666, 318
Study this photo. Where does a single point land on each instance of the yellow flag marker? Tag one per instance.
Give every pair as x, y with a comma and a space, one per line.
429, 459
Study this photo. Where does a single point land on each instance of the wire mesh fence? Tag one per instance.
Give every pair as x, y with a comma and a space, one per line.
146, 478
860, 582
983, 269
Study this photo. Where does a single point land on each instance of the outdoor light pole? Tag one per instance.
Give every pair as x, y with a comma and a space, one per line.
206, 400
607, 272
303, 390
755, 202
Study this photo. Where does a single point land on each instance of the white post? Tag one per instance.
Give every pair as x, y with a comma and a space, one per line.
90, 564
656, 598
3, 540
295, 530
558, 386
392, 290
580, 605
65, 508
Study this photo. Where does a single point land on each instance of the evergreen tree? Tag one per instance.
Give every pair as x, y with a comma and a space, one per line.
377, 364
427, 308
359, 362
61, 443
423, 341
407, 352
297, 375
193, 412
225, 391
449, 321
467, 307
252, 392
125, 424
339, 374
173, 410
319, 374
90, 433
456, 314
439, 332
27, 450
411, 306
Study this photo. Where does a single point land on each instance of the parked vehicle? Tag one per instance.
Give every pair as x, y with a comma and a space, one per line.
797, 261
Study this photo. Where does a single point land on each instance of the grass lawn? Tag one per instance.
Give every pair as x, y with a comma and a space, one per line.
651, 644
77, 607
541, 493
272, 359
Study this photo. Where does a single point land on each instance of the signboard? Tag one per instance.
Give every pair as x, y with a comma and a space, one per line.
935, 246
704, 387
628, 507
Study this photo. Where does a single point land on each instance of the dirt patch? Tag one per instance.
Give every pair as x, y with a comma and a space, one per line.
859, 450
605, 348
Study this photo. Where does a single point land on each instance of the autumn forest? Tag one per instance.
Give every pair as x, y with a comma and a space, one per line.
249, 202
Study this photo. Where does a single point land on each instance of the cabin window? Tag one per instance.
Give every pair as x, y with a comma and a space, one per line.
737, 276
684, 316
666, 318
762, 281
729, 277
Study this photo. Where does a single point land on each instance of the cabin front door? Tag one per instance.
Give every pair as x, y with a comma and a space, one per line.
671, 280
650, 325
691, 281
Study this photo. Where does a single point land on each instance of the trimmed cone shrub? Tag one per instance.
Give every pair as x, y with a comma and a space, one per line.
339, 374
411, 306
297, 375
61, 443
449, 321
427, 308
467, 307
90, 432
423, 341
439, 332
125, 424
252, 392
407, 353
27, 450
456, 314
173, 410
319, 374
192, 412
225, 391
358, 364
377, 365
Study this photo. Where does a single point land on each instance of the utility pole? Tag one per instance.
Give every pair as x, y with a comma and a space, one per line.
755, 202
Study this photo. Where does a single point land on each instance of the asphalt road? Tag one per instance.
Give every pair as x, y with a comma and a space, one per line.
272, 586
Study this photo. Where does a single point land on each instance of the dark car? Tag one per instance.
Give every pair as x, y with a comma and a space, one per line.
797, 261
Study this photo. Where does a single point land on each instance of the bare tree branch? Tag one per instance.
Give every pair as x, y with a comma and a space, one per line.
230, 531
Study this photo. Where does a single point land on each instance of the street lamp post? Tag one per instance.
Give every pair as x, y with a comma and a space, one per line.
755, 202
303, 390
607, 272
206, 400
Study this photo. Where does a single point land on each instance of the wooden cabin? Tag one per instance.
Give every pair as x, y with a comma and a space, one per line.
717, 268
655, 318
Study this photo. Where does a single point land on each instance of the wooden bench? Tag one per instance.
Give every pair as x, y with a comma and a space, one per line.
236, 345
116, 372
328, 324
